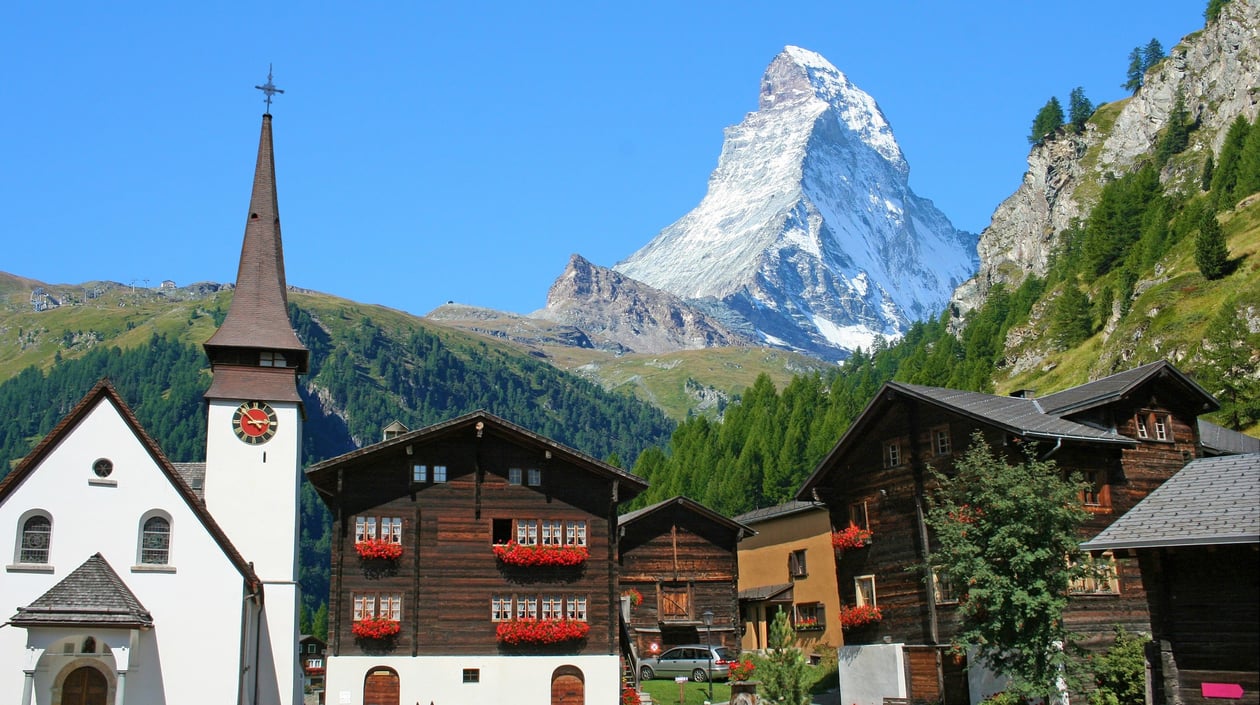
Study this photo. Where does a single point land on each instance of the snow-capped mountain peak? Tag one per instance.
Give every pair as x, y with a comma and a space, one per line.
809, 236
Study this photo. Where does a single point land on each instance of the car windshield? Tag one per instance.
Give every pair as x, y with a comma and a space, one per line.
724, 653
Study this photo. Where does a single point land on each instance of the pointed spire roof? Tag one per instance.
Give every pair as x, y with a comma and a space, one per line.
258, 318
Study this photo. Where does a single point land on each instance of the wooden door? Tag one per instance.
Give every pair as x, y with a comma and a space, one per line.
381, 687
84, 686
567, 687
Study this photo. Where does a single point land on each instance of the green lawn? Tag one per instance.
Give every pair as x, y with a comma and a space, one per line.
665, 692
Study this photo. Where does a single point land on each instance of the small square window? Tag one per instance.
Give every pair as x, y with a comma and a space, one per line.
419, 473
439, 473
535, 477
514, 476
472, 675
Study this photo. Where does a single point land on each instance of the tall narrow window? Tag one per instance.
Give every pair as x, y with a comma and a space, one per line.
36, 538
892, 454
155, 541
796, 564
534, 477
858, 516
1097, 491
940, 440
943, 587
514, 476
864, 587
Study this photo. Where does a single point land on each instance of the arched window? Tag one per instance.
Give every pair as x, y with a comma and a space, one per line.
155, 541
36, 538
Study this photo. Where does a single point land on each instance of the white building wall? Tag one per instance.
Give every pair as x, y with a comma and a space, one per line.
870, 673
520, 680
193, 652
252, 492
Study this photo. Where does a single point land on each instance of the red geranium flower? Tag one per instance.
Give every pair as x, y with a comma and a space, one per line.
375, 628
513, 553
851, 617
378, 549
850, 538
541, 631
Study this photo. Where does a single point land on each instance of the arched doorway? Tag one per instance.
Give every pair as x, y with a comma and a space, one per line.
380, 687
568, 686
85, 686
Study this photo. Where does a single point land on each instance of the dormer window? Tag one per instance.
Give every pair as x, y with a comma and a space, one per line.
270, 358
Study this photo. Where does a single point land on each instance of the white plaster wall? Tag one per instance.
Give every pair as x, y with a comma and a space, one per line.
520, 680
870, 673
192, 654
252, 492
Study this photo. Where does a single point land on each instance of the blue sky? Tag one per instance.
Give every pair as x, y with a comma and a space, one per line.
462, 151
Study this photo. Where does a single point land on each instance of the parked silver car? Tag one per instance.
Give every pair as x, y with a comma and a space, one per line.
690, 660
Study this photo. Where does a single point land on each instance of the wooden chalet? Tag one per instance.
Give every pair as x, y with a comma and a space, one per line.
1197, 542
489, 555
1125, 434
790, 566
680, 556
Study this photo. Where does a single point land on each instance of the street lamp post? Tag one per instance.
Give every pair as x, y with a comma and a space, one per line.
708, 642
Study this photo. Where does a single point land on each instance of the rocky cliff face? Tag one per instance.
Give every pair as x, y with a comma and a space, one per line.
809, 237
1216, 71
616, 309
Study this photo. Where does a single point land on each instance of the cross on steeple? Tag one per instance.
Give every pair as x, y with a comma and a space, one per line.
269, 89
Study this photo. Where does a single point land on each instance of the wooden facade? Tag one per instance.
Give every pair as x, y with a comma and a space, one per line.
681, 557
879, 474
454, 491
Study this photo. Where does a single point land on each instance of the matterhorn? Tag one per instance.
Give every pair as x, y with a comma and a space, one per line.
809, 237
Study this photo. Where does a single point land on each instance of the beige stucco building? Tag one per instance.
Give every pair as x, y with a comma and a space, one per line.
789, 566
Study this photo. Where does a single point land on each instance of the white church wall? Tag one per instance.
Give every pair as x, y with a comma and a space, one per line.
521, 680
192, 654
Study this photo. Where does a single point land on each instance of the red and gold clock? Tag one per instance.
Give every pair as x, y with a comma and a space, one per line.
254, 422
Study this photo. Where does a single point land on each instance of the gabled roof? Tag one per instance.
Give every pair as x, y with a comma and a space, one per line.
1046, 418
104, 391
1218, 440
91, 594
258, 317
322, 475
1117, 386
689, 505
1209, 501
779, 510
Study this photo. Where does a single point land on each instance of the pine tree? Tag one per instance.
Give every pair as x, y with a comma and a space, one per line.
1213, 10
1071, 319
1079, 108
1177, 134
1211, 254
1249, 163
1205, 182
783, 675
1228, 164
1152, 54
1049, 119
1134, 75
1230, 369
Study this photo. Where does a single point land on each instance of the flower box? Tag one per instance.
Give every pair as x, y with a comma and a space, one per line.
636, 597
376, 628
850, 538
515, 554
378, 550
808, 625
630, 696
518, 632
852, 617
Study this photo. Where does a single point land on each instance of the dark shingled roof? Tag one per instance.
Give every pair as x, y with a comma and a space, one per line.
1113, 387
259, 316
779, 510
1209, 501
1218, 440
1025, 417
778, 593
92, 594
691, 506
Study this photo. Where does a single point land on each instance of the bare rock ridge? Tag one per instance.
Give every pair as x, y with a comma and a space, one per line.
1216, 72
617, 309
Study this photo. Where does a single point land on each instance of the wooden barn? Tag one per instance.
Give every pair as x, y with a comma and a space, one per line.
1197, 541
679, 557
473, 561
1126, 434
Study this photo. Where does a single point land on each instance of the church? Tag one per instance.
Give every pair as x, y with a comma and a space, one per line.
133, 579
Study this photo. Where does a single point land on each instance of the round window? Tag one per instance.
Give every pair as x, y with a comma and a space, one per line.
103, 467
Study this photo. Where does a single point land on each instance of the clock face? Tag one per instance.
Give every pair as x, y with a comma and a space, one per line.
254, 422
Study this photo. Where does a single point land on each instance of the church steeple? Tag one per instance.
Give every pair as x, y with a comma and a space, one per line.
256, 332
